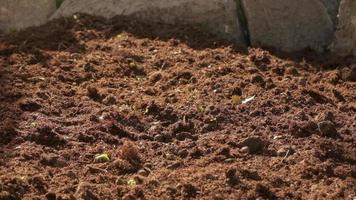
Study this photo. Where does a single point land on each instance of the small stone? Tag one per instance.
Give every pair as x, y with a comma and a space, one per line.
51, 196
172, 189
285, 152
245, 149
143, 172
158, 138
110, 100
231, 177
327, 129
93, 93
254, 144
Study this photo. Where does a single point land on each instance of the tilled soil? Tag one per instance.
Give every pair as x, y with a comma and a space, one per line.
180, 114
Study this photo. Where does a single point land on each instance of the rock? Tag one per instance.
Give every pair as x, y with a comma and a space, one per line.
327, 129
172, 190
254, 144
345, 36
93, 93
245, 149
159, 138
285, 152
216, 16
144, 172
289, 25
332, 6
231, 177
51, 196
20, 14
110, 100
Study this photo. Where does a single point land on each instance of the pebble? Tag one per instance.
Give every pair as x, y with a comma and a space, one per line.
158, 138
327, 129
144, 172
231, 177
110, 100
254, 144
245, 149
51, 196
285, 151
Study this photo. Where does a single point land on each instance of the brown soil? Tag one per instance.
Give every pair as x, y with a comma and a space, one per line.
166, 104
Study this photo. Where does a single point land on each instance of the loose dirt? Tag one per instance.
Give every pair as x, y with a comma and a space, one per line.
180, 113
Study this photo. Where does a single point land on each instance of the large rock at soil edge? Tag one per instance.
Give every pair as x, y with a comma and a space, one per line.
20, 14
216, 16
289, 25
345, 36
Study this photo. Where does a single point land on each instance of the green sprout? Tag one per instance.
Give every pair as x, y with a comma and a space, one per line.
236, 100
102, 158
131, 183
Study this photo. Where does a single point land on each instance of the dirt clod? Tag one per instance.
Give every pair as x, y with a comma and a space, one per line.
327, 129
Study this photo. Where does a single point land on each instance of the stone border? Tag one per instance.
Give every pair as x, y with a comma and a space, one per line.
285, 25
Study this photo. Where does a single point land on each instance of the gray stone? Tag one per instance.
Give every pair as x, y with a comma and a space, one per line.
254, 144
20, 14
332, 6
289, 25
217, 16
345, 35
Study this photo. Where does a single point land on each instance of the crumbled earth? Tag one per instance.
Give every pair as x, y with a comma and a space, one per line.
121, 109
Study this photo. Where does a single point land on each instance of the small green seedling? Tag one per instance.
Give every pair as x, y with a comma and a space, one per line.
200, 108
236, 100
34, 124
131, 183
132, 65
102, 158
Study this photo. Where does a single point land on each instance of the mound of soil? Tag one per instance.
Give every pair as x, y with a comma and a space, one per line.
121, 109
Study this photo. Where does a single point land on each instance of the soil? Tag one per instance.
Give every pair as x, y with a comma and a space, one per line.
122, 109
